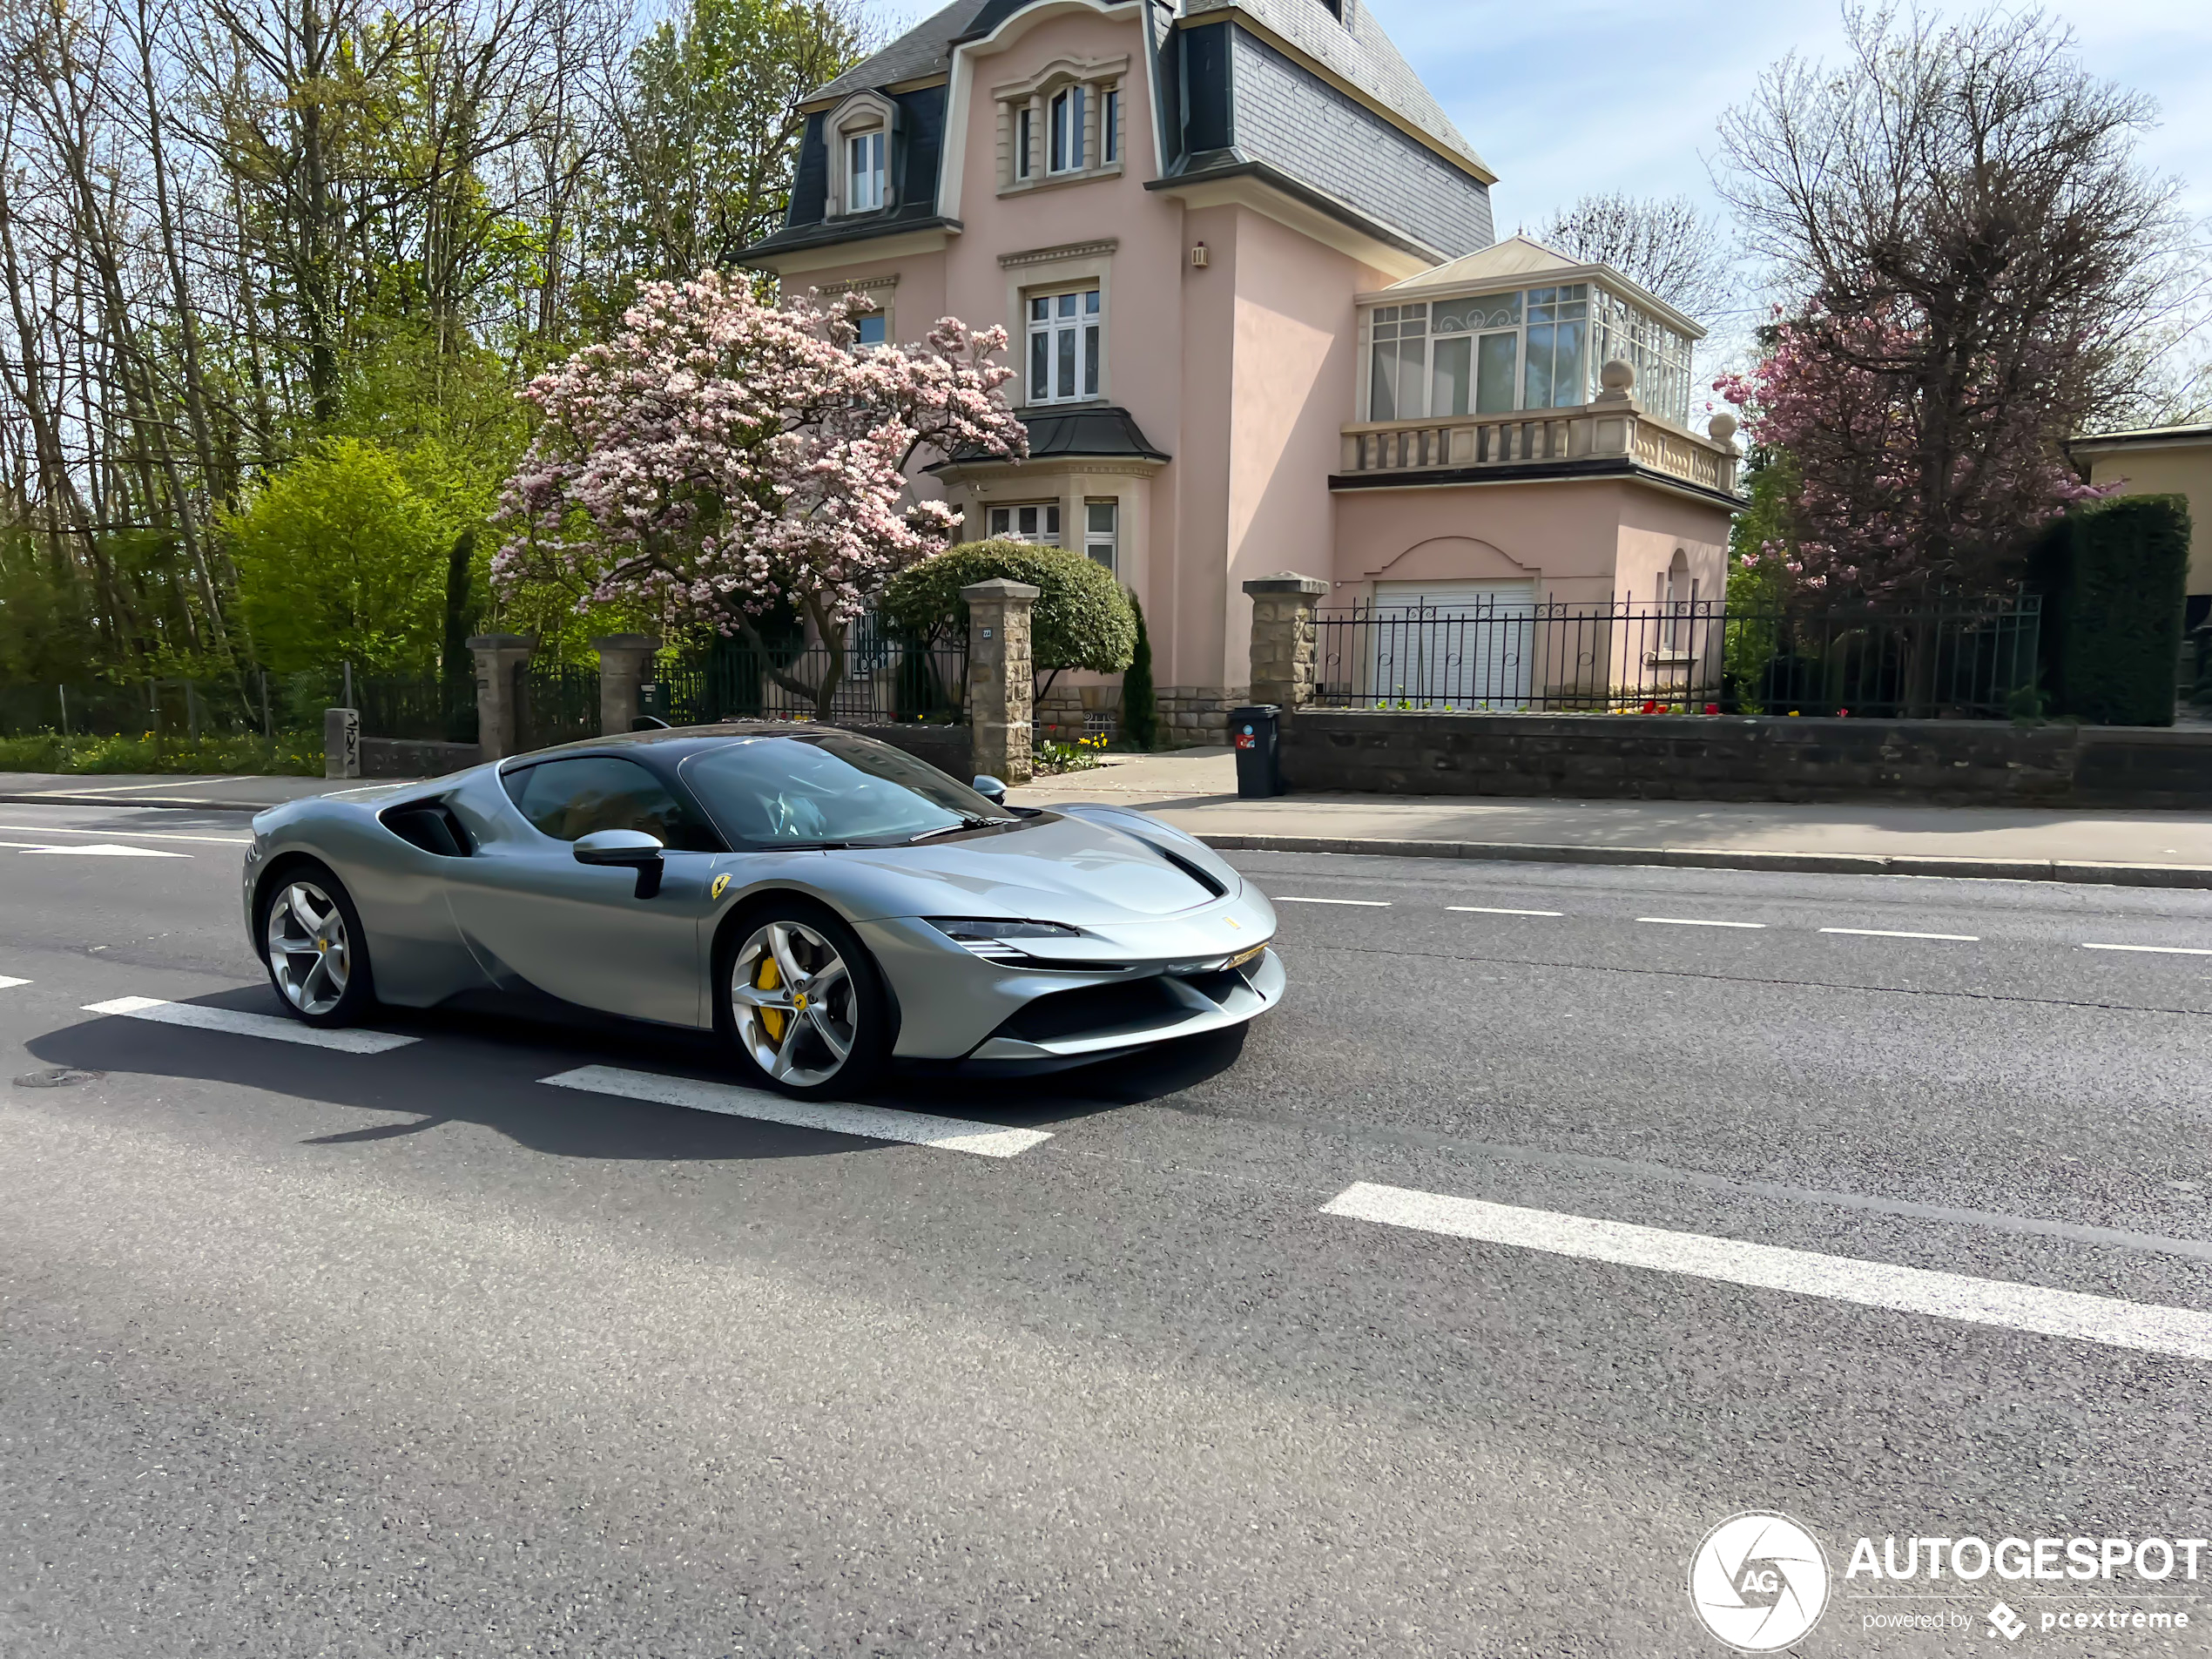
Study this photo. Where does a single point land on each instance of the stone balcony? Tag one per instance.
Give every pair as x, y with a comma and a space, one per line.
1535, 443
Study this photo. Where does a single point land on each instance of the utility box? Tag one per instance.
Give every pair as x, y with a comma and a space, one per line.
1256, 730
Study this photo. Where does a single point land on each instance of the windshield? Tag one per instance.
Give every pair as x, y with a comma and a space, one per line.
829, 786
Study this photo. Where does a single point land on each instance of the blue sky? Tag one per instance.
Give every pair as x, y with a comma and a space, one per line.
1586, 95
1579, 95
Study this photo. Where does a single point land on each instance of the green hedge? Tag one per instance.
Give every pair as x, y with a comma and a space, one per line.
2115, 578
290, 753
1081, 619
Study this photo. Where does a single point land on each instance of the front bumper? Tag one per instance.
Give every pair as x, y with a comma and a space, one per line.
1121, 987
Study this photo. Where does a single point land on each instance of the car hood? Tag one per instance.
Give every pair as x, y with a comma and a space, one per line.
1065, 869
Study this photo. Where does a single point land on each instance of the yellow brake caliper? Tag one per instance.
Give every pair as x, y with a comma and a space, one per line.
769, 980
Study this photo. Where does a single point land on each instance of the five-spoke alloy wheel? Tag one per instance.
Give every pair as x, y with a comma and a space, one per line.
311, 941
801, 1001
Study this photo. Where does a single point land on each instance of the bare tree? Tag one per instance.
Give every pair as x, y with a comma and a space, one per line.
1663, 243
1960, 228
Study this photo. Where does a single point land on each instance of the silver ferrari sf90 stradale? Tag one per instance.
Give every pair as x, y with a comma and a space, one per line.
825, 902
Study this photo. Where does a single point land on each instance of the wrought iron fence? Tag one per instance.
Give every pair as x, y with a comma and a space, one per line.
248, 702
1960, 658
421, 707
560, 705
888, 676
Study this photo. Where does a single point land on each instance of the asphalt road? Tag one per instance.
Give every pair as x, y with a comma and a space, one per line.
306, 1351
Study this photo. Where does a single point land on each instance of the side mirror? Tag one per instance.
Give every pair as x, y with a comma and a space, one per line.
625, 850
989, 788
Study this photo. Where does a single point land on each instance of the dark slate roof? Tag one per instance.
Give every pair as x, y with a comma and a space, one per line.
1359, 51
1355, 48
924, 50
913, 162
1094, 429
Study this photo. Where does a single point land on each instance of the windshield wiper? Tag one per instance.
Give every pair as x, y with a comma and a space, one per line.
967, 821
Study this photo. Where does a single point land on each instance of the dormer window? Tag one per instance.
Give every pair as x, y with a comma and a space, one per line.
863, 191
862, 137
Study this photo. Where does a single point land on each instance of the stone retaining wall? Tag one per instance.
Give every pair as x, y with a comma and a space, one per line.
1597, 756
1192, 716
414, 758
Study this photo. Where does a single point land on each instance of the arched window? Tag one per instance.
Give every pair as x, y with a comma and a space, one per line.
1680, 599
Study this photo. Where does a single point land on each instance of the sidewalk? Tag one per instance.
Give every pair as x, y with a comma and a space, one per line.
1194, 789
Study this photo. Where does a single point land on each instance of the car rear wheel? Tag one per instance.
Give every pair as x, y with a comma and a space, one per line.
312, 946
798, 996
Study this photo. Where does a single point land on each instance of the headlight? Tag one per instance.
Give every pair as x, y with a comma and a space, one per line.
988, 936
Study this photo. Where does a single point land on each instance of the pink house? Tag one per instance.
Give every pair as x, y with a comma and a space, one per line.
1261, 320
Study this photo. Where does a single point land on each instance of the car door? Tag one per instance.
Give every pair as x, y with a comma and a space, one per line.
581, 932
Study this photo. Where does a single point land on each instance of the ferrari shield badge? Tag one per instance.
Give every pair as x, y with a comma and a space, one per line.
720, 882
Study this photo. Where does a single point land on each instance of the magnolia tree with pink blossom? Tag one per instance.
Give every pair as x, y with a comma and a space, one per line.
1879, 511
720, 456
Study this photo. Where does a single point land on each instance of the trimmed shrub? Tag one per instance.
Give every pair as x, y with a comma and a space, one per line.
2114, 577
1140, 704
1080, 619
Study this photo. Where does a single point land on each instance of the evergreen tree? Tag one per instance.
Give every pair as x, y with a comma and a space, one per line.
1140, 708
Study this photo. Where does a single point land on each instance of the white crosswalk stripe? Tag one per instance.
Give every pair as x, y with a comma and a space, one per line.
2147, 1327
275, 1027
871, 1122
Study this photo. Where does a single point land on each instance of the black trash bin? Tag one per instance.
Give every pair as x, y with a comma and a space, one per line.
1256, 732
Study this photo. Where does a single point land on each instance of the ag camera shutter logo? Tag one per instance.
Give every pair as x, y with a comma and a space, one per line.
1759, 1581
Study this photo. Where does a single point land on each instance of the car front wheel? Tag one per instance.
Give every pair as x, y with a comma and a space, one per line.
312, 945
798, 994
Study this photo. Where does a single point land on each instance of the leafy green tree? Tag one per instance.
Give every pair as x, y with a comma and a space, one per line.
1082, 619
708, 137
342, 556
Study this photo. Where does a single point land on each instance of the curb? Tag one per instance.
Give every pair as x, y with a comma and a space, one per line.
203, 802
1703, 858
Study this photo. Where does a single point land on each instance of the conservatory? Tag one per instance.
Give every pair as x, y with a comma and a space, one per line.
1465, 340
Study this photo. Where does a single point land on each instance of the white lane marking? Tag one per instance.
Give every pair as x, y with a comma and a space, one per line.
132, 789
2149, 1327
275, 1027
1885, 933
1688, 921
8, 981
1370, 904
871, 1123
135, 835
1492, 910
110, 850
2155, 950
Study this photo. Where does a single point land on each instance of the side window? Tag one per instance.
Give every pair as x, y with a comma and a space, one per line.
568, 799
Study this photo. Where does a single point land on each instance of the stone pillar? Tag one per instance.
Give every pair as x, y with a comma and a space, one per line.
503, 696
625, 661
341, 742
1283, 638
999, 688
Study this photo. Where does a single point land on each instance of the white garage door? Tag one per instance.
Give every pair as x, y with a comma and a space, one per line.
1466, 645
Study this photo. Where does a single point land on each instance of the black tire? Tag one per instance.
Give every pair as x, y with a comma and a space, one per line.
356, 999
855, 1008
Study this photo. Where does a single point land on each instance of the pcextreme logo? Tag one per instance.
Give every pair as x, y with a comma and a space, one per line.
1759, 1581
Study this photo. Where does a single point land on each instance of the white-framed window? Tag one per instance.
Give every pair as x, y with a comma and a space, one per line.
1102, 532
1026, 521
1067, 131
1110, 123
1495, 352
1025, 142
864, 177
1066, 340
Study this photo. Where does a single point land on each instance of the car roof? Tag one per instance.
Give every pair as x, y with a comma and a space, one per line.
674, 743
